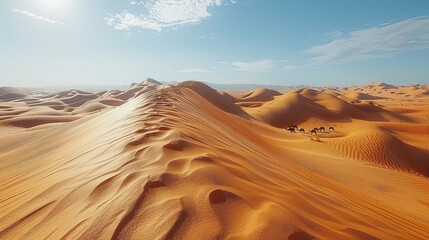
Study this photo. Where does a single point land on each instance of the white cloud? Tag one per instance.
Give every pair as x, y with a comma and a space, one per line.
207, 36
290, 67
163, 14
263, 66
193, 70
382, 41
32, 15
334, 34
257, 67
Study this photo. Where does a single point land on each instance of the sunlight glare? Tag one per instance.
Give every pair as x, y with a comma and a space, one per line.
54, 5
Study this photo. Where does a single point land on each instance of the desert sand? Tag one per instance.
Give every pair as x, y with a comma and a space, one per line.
185, 161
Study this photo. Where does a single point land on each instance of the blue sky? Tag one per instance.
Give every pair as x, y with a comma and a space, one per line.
314, 42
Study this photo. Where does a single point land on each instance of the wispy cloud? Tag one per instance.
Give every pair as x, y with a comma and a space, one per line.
207, 36
37, 17
291, 67
163, 14
382, 41
263, 66
335, 34
193, 70
256, 67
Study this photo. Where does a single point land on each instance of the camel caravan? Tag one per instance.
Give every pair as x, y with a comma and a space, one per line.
294, 128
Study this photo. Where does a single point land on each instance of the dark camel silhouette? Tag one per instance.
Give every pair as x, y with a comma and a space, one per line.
331, 128
322, 128
302, 130
291, 129
316, 129
313, 131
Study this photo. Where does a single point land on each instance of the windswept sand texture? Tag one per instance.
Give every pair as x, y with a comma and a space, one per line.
188, 162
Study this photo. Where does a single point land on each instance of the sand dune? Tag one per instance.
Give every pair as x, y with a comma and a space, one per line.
187, 162
311, 107
382, 92
360, 96
292, 108
261, 94
20, 91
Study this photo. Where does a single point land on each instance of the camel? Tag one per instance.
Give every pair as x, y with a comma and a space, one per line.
322, 128
313, 131
316, 129
302, 130
331, 128
291, 129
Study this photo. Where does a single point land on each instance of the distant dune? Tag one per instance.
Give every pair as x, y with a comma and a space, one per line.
261, 94
360, 96
20, 91
186, 161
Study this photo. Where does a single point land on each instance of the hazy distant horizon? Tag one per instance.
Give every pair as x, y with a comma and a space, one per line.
218, 86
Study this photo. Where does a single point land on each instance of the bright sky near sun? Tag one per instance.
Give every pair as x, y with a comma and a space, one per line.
285, 42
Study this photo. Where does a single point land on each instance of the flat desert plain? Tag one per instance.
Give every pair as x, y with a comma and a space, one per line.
185, 161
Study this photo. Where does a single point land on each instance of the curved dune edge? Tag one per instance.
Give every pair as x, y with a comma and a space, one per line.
184, 163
